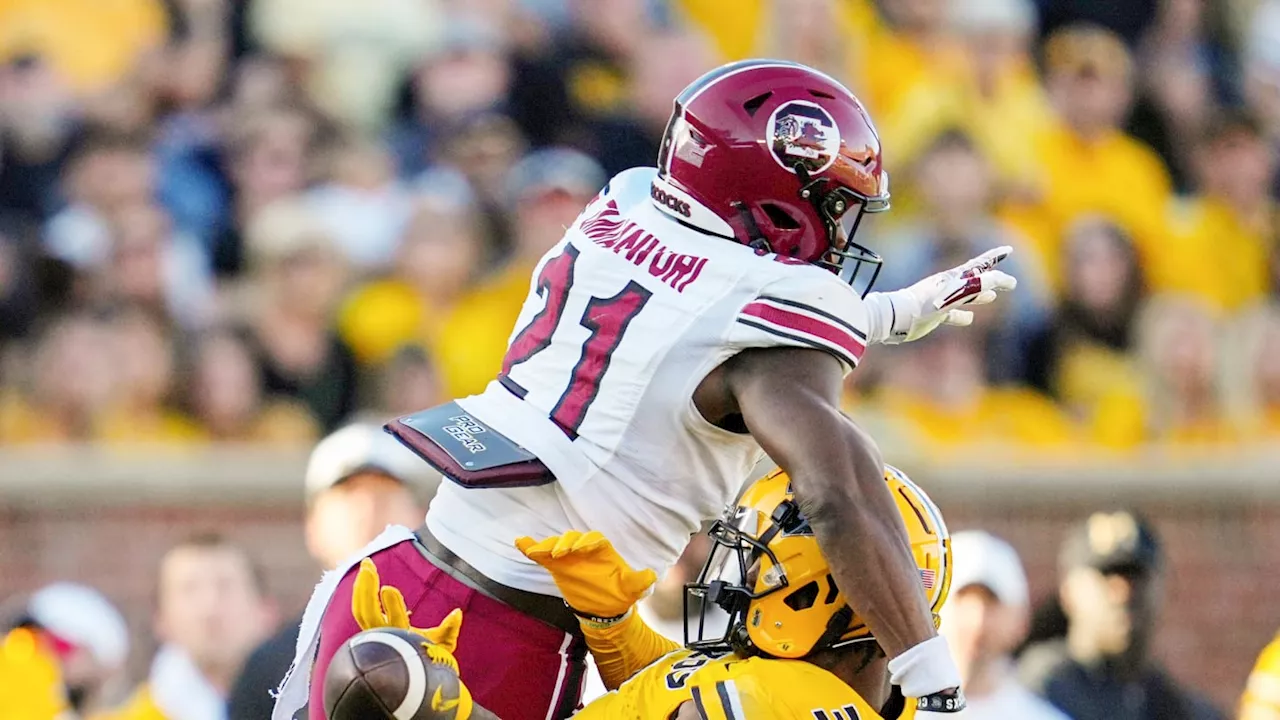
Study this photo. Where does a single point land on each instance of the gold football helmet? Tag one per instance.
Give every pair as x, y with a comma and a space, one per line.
766, 571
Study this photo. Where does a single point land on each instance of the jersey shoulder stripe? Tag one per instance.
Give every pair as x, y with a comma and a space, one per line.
806, 324
725, 704
727, 691
816, 311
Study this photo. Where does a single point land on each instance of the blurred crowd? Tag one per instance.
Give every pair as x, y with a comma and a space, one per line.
254, 220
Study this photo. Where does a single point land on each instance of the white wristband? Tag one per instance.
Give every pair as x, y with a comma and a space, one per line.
925, 669
880, 317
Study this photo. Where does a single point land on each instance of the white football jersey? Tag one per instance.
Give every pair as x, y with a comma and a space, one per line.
624, 318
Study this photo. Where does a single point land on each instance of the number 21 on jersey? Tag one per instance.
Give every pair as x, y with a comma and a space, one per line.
605, 318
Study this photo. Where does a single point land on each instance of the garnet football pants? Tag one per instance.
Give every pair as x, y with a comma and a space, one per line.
515, 665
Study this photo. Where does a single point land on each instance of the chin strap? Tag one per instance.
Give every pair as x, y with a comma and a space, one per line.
836, 626
755, 239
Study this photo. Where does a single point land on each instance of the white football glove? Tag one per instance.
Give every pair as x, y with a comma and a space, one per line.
911, 313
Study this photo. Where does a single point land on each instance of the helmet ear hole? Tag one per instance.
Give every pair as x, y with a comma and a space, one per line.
779, 218
804, 598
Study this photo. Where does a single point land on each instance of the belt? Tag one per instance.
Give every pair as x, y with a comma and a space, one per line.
548, 609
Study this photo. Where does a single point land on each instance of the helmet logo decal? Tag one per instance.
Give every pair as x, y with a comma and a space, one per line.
804, 132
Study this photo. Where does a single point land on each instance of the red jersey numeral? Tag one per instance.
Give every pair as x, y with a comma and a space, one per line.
554, 283
606, 318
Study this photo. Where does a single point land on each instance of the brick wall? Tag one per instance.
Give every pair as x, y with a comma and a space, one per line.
1221, 606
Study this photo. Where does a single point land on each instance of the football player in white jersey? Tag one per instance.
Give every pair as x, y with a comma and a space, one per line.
696, 316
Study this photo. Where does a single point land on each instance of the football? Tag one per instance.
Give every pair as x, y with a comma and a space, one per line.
387, 673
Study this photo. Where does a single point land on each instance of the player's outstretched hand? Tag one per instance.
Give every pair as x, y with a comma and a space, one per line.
593, 578
376, 606
911, 313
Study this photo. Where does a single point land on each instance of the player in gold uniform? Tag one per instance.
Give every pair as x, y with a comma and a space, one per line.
792, 649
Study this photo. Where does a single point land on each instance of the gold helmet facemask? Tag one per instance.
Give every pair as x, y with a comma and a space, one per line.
766, 571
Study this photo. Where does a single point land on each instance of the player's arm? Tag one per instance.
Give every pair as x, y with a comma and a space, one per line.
602, 590
789, 400
624, 649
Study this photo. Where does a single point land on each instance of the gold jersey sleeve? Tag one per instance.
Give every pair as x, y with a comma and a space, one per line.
726, 687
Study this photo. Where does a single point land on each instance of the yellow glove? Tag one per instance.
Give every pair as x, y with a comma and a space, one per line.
376, 606
593, 578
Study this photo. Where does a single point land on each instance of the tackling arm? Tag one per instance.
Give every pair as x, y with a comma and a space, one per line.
602, 590
625, 648
789, 400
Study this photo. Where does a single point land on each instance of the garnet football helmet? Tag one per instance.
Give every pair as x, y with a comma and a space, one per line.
777, 156
767, 572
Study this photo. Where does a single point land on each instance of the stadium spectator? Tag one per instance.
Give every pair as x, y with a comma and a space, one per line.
483, 147
465, 326
667, 62
211, 610
1127, 21
953, 223
584, 73
1181, 75
1260, 60
998, 101
409, 383
228, 401
150, 265
19, 294
108, 174
87, 643
1087, 163
741, 29
88, 44
1185, 398
544, 193
361, 205
143, 407
1266, 373
1082, 358
294, 287
39, 135
1232, 219
468, 72
66, 384
430, 300
1111, 573
913, 51
355, 55
267, 162
985, 618
258, 84
189, 78
1252, 377
938, 396
547, 190
358, 481
809, 32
